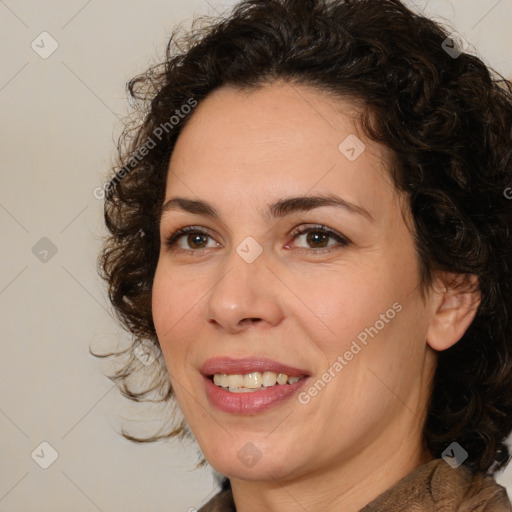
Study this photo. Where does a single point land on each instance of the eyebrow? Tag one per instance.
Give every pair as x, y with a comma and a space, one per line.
280, 208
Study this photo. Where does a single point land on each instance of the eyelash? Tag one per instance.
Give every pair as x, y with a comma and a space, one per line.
318, 228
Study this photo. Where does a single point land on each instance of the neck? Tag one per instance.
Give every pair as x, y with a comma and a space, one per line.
348, 486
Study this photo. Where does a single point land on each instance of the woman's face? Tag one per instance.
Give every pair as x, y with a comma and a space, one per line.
258, 278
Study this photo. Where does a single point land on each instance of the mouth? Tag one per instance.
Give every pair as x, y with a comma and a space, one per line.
249, 386
251, 382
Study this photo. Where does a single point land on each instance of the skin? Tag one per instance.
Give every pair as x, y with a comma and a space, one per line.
241, 151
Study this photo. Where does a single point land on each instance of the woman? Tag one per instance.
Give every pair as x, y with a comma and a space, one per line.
311, 223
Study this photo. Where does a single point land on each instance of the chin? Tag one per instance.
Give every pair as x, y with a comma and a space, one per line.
262, 471
251, 463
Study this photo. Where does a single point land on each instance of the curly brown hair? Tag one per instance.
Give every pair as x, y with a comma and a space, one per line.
448, 122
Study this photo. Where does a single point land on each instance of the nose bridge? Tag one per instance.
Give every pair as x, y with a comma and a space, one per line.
241, 293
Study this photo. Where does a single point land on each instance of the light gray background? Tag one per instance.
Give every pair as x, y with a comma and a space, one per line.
60, 118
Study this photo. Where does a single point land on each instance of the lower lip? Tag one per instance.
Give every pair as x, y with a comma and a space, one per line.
252, 402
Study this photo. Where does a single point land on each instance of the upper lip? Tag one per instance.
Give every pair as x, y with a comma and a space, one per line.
248, 365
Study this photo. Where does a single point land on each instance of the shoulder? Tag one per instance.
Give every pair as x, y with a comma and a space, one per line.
436, 486
477, 492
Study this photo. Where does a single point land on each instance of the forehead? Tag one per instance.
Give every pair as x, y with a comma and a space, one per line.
280, 139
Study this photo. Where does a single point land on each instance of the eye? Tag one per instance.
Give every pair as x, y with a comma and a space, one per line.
189, 238
317, 237
194, 239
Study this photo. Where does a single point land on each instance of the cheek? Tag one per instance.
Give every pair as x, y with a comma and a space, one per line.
374, 306
374, 324
174, 303
342, 304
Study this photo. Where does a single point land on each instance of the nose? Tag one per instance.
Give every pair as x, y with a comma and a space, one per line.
245, 295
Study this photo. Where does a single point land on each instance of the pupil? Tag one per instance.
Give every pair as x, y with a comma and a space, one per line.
196, 240
315, 238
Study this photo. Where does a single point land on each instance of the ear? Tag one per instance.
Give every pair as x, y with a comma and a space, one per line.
455, 300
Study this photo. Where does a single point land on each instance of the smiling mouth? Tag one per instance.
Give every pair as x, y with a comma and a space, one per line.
254, 381
250, 385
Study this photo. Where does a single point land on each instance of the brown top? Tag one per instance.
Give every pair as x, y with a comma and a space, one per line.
432, 487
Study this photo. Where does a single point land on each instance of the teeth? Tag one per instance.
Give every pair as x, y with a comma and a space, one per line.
221, 379
238, 383
252, 380
282, 378
269, 379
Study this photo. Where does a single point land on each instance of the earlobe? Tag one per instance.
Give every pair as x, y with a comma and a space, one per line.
454, 308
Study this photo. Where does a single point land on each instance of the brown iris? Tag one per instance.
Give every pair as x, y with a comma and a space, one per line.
315, 237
